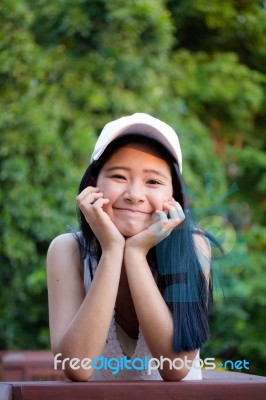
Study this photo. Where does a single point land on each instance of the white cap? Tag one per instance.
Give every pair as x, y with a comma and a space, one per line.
143, 124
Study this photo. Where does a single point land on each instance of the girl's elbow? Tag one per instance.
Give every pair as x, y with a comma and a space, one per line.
173, 375
73, 368
80, 375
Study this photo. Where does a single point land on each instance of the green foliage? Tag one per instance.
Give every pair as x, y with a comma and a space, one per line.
66, 68
239, 318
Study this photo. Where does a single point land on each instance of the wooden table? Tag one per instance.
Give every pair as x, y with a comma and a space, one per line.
215, 385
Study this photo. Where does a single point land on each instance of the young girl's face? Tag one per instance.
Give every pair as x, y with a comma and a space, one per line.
137, 181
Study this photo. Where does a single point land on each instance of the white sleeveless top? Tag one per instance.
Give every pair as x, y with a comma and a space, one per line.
118, 339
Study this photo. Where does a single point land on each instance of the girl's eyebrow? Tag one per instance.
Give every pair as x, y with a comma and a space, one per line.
118, 167
154, 171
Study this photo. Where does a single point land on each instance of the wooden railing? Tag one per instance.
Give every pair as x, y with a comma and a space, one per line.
216, 385
29, 365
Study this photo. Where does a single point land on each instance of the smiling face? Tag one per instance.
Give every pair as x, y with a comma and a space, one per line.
137, 181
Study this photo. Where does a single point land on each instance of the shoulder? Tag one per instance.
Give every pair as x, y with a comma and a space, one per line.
63, 251
203, 250
65, 242
202, 244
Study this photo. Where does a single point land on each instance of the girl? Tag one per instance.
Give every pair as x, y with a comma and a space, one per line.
133, 283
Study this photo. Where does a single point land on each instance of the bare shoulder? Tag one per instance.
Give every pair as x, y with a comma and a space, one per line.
203, 249
66, 240
202, 244
63, 252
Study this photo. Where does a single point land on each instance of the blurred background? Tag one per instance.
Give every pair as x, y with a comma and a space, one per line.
69, 66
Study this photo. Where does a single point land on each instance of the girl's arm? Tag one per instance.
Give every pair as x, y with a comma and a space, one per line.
79, 322
154, 316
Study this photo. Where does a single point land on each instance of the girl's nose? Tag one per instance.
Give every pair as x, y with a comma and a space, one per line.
134, 193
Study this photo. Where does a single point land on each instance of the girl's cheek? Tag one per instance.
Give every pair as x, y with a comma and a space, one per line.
103, 189
165, 197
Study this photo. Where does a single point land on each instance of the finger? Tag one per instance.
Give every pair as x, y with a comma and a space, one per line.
177, 214
99, 203
93, 197
162, 216
176, 204
175, 211
89, 199
89, 190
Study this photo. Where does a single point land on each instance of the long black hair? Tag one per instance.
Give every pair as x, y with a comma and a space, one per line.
174, 262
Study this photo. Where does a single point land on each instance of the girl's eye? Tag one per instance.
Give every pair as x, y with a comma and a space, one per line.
117, 176
153, 182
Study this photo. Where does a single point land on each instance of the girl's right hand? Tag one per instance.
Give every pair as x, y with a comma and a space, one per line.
91, 202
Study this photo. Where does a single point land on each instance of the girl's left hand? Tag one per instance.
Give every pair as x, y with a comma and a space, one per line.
160, 229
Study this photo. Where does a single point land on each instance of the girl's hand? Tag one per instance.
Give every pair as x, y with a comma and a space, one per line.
160, 229
91, 202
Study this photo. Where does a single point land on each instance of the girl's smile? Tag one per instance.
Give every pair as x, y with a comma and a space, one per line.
129, 210
137, 181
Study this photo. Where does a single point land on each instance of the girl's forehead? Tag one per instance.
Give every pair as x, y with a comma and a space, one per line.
140, 159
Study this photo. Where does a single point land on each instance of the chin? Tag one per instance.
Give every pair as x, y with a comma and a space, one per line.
130, 231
